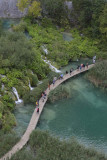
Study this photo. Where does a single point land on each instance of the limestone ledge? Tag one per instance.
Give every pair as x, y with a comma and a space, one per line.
9, 9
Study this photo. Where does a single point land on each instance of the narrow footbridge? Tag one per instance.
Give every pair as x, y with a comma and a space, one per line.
35, 116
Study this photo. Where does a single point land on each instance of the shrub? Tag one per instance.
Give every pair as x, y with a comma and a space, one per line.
7, 141
21, 27
48, 147
34, 80
98, 74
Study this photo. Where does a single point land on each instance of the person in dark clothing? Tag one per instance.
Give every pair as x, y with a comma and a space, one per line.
38, 110
66, 72
78, 68
83, 66
87, 65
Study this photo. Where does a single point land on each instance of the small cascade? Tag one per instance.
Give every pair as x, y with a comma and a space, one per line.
40, 82
3, 76
68, 4
45, 50
2, 88
31, 88
16, 93
52, 67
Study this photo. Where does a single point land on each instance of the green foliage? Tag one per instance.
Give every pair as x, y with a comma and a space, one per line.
2, 71
9, 122
46, 22
91, 19
34, 8
56, 9
4, 80
7, 141
48, 147
21, 27
51, 76
23, 154
34, 80
98, 74
35, 94
59, 50
59, 93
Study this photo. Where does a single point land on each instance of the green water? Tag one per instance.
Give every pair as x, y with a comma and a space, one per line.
67, 36
23, 115
83, 116
6, 23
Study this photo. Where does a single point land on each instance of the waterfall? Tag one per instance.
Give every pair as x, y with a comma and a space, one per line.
45, 49
2, 88
68, 4
16, 93
52, 67
31, 88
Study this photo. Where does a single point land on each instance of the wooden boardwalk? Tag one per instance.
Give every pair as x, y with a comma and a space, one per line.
35, 116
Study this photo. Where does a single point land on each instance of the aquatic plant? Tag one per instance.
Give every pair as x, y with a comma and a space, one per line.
59, 93
98, 74
45, 147
7, 141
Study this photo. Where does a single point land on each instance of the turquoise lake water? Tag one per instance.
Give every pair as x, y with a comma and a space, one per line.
83, 115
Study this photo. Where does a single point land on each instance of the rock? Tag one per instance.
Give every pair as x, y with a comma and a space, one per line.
9, 9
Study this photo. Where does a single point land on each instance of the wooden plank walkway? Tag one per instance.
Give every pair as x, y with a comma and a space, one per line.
35, 116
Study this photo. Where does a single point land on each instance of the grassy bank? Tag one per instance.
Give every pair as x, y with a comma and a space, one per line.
7, 141
98, 74
45, 147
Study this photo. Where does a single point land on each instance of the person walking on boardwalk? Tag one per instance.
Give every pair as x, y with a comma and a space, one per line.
53, 82
42, 97
49, 86
71, 70
61, 76
78, 68
87, 65
66, 72
37, 104
38, 110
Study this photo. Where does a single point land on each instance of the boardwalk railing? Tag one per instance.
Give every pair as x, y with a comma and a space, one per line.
35, 116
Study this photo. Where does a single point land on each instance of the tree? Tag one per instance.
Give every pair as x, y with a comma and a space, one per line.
103, 21
34, 8
55, 9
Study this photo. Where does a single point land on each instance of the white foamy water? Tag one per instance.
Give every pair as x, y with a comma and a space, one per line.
31, 88
51, 66
2, 87
45, 50
3, 76
16, 94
